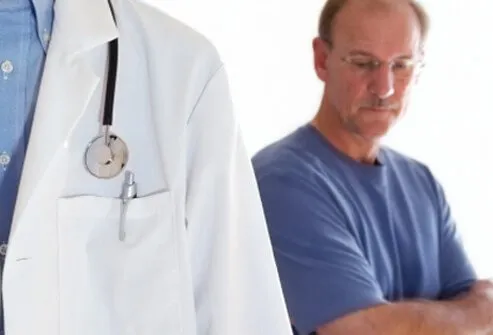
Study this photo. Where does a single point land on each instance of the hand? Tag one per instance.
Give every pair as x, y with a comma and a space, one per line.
482, 288
480, 297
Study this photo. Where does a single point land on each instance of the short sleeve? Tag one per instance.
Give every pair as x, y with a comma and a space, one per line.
456, 272
323, 272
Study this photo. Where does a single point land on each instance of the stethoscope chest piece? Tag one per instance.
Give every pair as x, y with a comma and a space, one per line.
106, 157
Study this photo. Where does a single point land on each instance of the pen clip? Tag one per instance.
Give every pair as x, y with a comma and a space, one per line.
129, 188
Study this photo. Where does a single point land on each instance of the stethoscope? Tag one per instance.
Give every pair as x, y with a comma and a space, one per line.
107, 154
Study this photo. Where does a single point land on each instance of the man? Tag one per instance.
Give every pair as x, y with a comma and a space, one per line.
363, 236
155, 229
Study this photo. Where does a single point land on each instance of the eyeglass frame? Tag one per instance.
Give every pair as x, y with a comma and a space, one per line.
416, 64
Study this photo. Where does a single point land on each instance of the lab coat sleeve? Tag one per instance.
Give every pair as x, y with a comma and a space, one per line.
236, 285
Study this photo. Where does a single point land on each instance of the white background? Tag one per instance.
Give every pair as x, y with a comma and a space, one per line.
266, 46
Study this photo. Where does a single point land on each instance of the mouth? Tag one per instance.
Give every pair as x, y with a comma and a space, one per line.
378, 109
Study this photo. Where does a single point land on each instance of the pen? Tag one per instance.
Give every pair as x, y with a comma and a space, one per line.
129, 191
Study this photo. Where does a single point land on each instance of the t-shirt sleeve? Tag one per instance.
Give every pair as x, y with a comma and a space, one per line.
456, 271
323, 272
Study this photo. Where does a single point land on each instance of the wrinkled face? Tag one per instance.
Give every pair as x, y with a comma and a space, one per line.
370, 65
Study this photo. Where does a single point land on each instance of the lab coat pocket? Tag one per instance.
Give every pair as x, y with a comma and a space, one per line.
108, 286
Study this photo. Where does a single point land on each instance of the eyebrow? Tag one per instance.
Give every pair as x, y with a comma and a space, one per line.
361, 53
369, 54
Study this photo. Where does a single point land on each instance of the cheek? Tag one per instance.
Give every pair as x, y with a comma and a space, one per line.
346, 94
402, 94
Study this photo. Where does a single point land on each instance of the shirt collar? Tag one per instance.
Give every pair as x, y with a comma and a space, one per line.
43, 10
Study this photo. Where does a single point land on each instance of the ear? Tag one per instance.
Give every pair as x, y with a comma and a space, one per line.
320, 54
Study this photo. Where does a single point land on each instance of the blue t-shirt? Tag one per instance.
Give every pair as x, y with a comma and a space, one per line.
348, 236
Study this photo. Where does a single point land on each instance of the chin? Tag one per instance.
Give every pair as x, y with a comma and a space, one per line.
374, 131
371, 124
374, 136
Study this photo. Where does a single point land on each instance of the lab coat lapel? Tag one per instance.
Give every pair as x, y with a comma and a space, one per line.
66, 89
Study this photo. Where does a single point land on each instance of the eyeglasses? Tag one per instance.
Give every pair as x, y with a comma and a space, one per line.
402, 68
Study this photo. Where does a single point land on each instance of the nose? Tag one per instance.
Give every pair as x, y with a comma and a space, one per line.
382, 83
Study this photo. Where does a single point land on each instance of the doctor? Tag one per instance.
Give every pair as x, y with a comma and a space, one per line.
187, 252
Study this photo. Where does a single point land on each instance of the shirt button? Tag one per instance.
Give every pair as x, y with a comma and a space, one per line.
46, 37
7, 67
3, 249
4, 160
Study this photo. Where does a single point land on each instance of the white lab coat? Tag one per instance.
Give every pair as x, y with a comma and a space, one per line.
197, 258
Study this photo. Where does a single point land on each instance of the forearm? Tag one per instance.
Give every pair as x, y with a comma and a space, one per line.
459, 317
465, 316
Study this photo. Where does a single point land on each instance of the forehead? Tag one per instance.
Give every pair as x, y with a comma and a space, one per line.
383, 28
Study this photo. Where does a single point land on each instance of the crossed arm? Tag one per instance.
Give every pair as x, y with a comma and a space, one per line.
330, 287
470, 314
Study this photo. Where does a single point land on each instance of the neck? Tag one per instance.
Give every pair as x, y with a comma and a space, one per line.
349, 143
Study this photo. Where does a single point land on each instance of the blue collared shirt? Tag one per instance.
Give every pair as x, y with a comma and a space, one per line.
24, 37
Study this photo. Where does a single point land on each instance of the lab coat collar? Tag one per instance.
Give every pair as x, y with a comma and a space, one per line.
84, 24
67, 86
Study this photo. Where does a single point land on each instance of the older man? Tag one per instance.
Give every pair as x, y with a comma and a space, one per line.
363, 236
